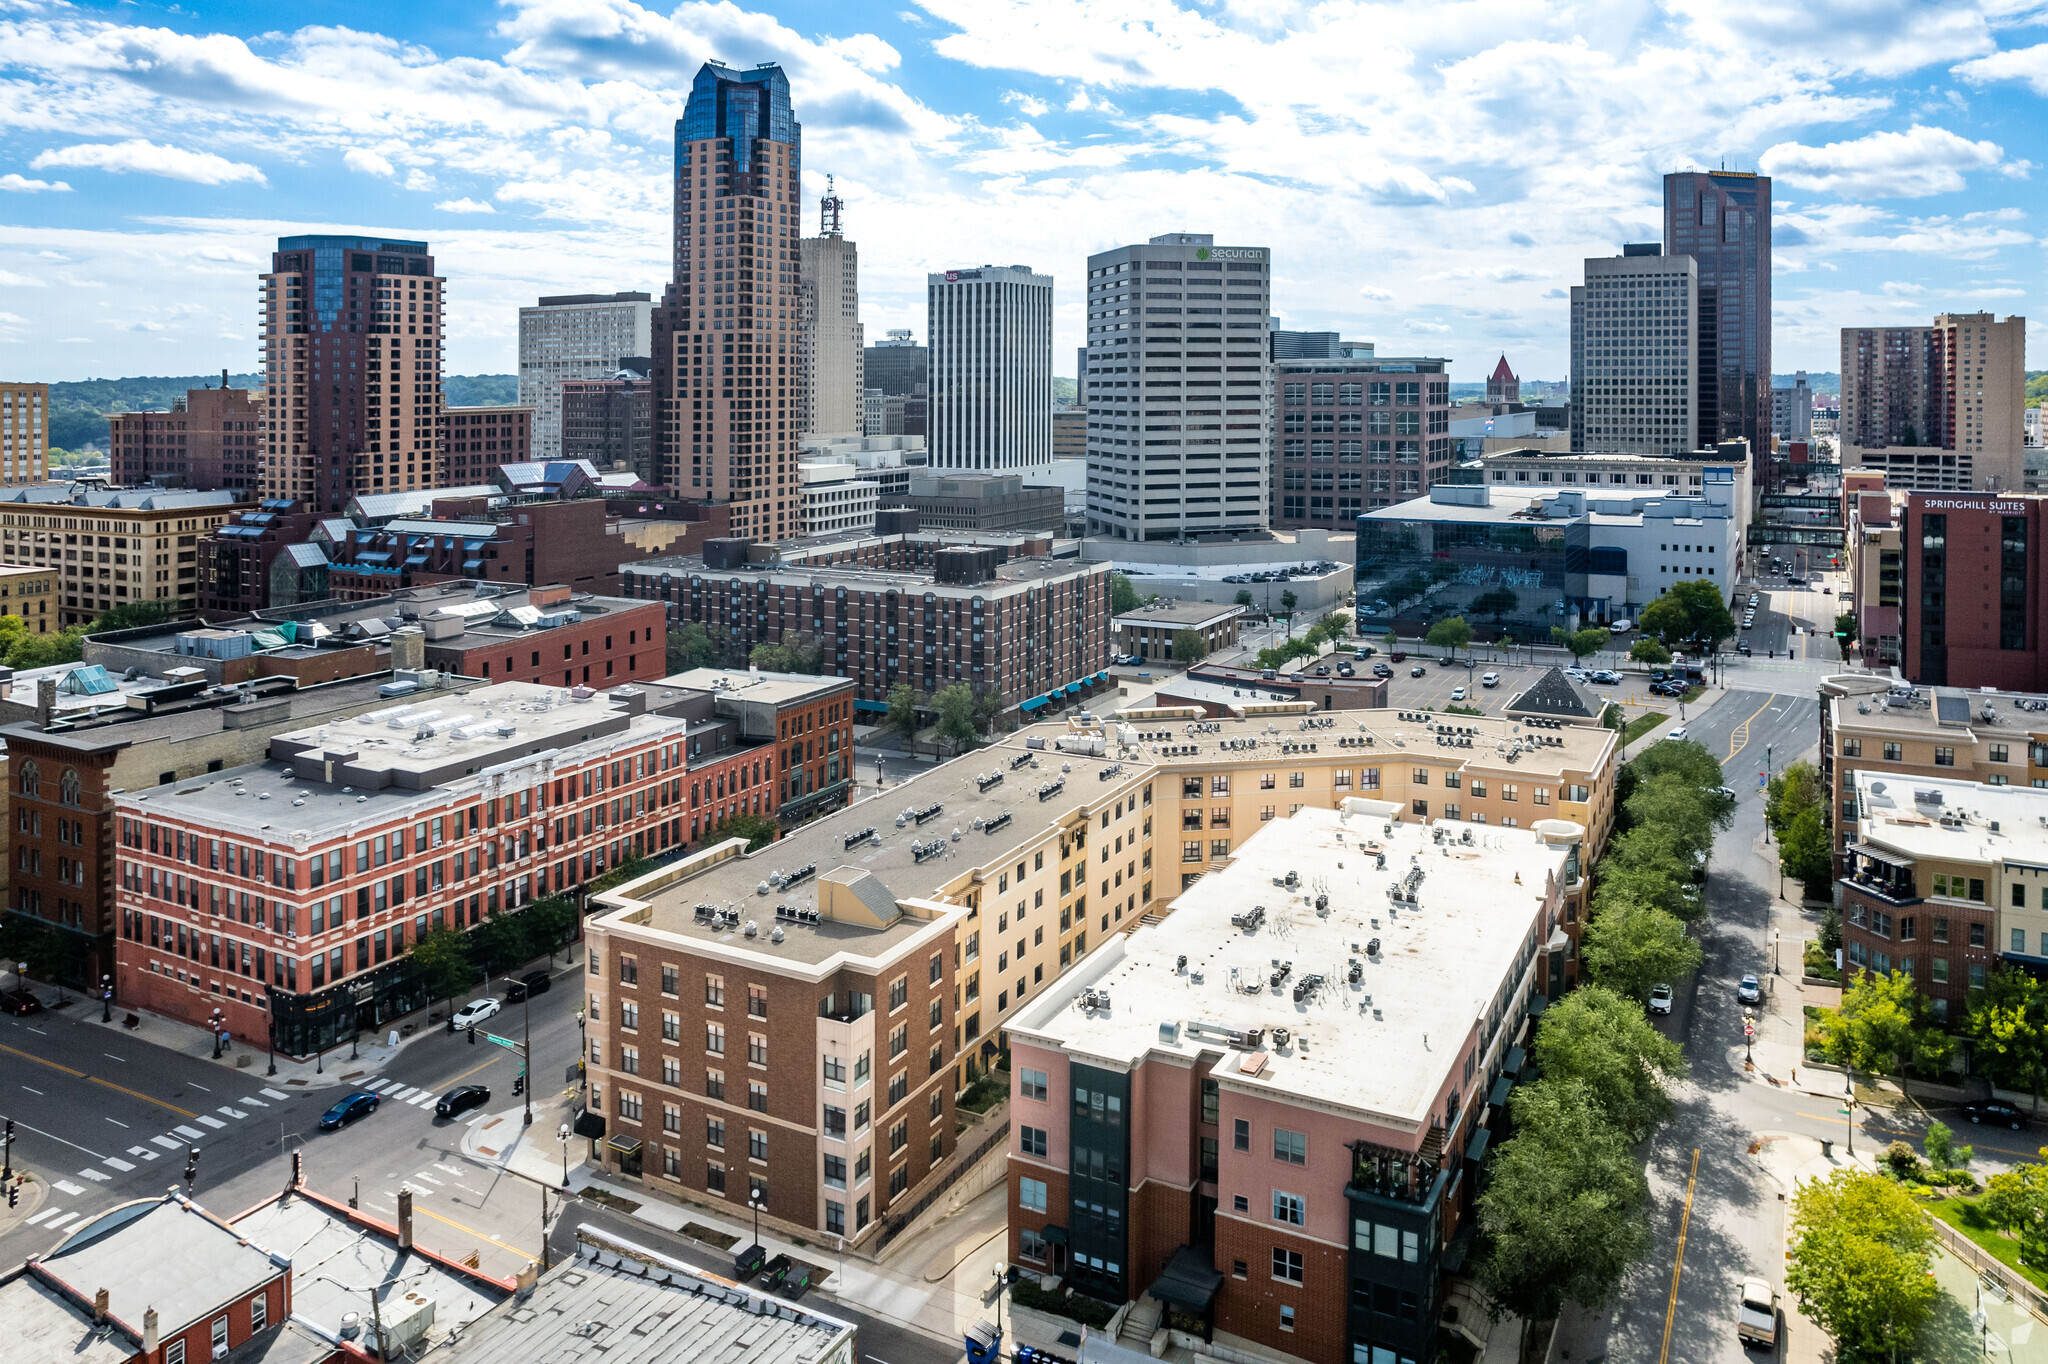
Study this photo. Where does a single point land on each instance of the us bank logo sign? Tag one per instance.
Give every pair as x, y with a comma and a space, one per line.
1230, 253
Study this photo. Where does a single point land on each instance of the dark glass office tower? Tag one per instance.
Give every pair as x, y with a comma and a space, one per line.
727, 336
1722, 219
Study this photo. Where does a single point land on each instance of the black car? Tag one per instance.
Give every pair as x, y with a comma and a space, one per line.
1382, 670
1995, 1111
461, 1099
1417, 671
20, 1002
532, 983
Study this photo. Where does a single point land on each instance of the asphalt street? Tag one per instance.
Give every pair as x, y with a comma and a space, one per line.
102, 1117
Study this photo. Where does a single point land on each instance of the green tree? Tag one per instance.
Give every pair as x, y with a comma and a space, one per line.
1605, 1040
1685, 759
1391, 640
1806, 855
792, 655
954, 706
1685, 811
1884, 1026
1562, 1210
1795, 789
1452, 632
1649, 651
1189, 646
690, 646
552, 918
758, 830
988, 710
1336, 624
1123, 598
1244, 597
1942, 1151
1498, 603
1845, 633
2008, 1027
1288, 601
1582, 643
1859, 1265
128, 616
441, 956
47, 651
1629, 948
902, 713
1688, 613
1649, 868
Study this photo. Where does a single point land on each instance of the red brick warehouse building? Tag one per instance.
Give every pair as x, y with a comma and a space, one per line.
1974, 591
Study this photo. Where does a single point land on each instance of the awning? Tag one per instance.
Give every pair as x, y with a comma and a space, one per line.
1890, 859
624, 1145
415, 559
1188, 1281
378, 557
1498, 1095
1517, 1058
1476, 1151
871, 705
1054, 1235
1033, 704
589, 1124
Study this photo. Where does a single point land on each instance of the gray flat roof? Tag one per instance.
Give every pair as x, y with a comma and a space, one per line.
1180, 614
165, 1253
747, 684
45, 1327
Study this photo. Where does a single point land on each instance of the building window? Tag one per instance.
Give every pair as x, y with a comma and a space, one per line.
1893, 753
1286, 1317
1291, 1147
1289, 1208
1031, 1195
1944, 756
1286, 1265
1241, 1134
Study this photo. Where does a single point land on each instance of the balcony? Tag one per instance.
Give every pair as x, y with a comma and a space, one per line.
1402, 1176
1880, 875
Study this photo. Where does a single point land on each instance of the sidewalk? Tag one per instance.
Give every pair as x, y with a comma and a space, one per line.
1790, 1161
534, 1153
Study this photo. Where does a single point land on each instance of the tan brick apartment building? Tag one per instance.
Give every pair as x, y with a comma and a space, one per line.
112, 548
24, 432
30, 593
1066, 837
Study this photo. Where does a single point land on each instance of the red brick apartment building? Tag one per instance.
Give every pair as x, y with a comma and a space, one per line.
482, 438
211, 438
289, 892
1972, 590
576, 544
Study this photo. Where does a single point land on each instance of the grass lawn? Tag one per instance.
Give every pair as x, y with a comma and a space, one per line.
1643, 723
1962, 1214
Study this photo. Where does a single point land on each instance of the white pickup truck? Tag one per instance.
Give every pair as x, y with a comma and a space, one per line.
1756, 1317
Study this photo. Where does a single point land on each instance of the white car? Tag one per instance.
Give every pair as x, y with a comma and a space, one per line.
1660, 999
473, 1013
1678, 733
1457, 693
1490, 680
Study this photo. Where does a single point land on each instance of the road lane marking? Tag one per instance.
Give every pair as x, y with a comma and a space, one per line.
111, 1057
429, 1179
36, 1219
66, 1186
138, 1094
191, 1132
41, 1062
202, 1089
404, 1095
33, 1090
168, 1144
116, 1121
231, 1112
214, 1123
142, 1153
253, 1103
1738, 738
94, 1174
57, 1222
273, 1094
1678, 1260
423, 1101
117, 1163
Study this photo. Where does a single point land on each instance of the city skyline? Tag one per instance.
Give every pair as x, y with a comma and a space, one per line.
533, 152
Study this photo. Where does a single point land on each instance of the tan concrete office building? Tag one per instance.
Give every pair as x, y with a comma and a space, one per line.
24, 432
1937, 408
112, 548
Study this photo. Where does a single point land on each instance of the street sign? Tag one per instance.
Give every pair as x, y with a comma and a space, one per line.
501, 1041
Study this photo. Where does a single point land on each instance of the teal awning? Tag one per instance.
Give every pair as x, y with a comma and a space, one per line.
1477, 1150
1498, 1095
1033, 704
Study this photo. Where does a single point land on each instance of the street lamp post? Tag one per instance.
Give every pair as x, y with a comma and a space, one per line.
562, 1135
106, 999
270, 1035
755, 1204
213, 1025
1849, 1107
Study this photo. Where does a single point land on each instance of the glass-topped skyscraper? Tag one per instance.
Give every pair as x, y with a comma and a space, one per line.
1722, 219
727, 336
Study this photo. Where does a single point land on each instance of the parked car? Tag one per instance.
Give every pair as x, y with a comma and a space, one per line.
1995, 1111
20, 1002
1607, 677
1346, 670
1447, 661
1489, 680
1756, 1315
473, 1013
1322, 670
461, 1099
1678, 733
348, 1110
1749, 991
1660, 999
1417, 671
1457, 693
1744, 649
1364, 651
532, 983
1725, 792
1382, 670
1398, 656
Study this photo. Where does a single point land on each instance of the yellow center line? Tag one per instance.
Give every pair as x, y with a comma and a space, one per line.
471, 1230
1735, 746
131, 1093
1678, 1262
467, 1073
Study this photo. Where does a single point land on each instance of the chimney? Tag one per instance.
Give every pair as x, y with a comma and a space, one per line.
149, 1333
298, 1174
404, 1218
408, 649
46, 701
99, 1308
223, 378
527, 1277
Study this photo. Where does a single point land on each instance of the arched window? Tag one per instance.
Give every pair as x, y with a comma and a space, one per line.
69, 785
31, 779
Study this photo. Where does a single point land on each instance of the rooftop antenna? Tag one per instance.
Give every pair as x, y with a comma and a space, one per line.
829, 209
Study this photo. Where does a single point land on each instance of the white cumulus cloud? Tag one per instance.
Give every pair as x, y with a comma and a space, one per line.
368, 162
464, 206
20, 184
1887, 165
150, 158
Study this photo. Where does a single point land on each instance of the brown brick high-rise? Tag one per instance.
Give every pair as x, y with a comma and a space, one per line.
727, 384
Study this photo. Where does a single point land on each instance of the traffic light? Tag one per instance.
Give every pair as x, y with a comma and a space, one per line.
191, 1167
471, 1030
13, 1194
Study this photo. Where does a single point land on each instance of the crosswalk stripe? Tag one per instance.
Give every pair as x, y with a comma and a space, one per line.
404, 1094
168, 1144
90, 1173
272, 1094
119, 1164
373, 1085
425, 1100
231, 1112
254, 1103
215, 1123
428, 1179
58, 1221
191, 1132
35, 1219
66, 1186
142, 1153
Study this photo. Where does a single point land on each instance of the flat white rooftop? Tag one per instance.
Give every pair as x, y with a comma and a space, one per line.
1965, 821
1379, 1047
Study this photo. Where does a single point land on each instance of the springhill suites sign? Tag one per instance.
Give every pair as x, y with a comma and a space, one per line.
1961, 504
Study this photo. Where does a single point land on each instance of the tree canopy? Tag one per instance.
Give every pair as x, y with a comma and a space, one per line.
902, 713
1859, 1265
1689, 612
1189, 646
1452, 632
792, 655
758, 830
1884, 1025
1630, 947
1582, 643
690, 646
955, 708
1649, 651
1605, 1041
2008, 1027
1123, 598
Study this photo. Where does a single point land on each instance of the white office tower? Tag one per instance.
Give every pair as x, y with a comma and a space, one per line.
575, 336
834, 340
989, 369
1180, 393
1635, 371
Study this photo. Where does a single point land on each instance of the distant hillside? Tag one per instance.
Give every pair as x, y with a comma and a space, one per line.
79, 411
1063, 390
1818, 381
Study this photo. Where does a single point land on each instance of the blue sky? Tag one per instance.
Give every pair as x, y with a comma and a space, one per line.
1428, 176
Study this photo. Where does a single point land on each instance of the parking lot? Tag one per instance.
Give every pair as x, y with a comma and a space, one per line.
1433, 688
